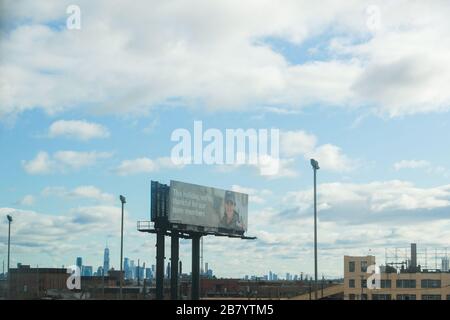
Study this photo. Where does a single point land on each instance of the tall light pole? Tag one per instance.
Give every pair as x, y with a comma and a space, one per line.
123, 201
316, 167
10, 219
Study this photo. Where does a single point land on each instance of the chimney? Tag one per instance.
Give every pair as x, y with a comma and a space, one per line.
413, 266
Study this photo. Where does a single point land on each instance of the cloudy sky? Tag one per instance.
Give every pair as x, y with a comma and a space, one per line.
86, 115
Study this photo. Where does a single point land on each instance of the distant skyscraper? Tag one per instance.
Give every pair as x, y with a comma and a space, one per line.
445, 264
132, 270
79, 262
86, 271
148, 273
126, 268
106, 261
100, 271
140, 272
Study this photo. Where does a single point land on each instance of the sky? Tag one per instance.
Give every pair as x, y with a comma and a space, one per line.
87, 114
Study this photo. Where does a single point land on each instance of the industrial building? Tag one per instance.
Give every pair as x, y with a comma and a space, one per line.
404, 280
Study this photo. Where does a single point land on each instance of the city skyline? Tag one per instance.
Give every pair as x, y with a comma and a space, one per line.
89, 114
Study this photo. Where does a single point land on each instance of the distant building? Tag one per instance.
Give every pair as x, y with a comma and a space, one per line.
168, 270
148, 273
36, 283
445, 264
100, 271
106, 261
79, 262
132, 270
86, 271
403, 284
126, 268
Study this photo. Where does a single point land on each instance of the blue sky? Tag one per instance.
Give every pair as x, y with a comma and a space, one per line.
86, 115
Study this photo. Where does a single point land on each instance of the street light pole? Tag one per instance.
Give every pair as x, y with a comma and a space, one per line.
123, 201
316, 167
9, 238
10, 219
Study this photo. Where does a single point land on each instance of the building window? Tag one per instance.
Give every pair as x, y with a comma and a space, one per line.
431, 297
351, 297
385, 284
448, 297
429, 283
364, 296
351, 283
363, 283
408, 284
351, 266
406, 297
381, 297
363, 266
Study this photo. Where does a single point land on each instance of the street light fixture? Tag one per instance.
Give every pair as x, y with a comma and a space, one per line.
123, 201
316, 167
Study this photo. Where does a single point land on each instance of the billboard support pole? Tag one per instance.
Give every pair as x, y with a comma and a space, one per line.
195, 288
160, 265
174, 257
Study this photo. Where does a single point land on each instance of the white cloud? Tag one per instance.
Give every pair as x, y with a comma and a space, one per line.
27, 200
330, 157
76, 159
145, 165
255, 196
62, 161
42, 164
77, 129
85, 192
375, 196
427, 166
62, 236
294, 143
221, 61
411, 164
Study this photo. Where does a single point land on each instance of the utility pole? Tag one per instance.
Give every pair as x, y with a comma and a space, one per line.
195, 286
123, 201
316, 167
10, 219
138, 274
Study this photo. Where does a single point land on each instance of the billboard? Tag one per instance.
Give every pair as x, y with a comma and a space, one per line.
159, 196
214, 209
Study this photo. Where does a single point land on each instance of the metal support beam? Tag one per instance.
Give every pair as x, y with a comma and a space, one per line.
160, 266
195, 287
174, 257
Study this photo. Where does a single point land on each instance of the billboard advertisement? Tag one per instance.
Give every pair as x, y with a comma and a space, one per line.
224, 211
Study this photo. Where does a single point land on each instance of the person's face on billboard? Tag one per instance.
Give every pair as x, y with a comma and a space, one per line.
229, 208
